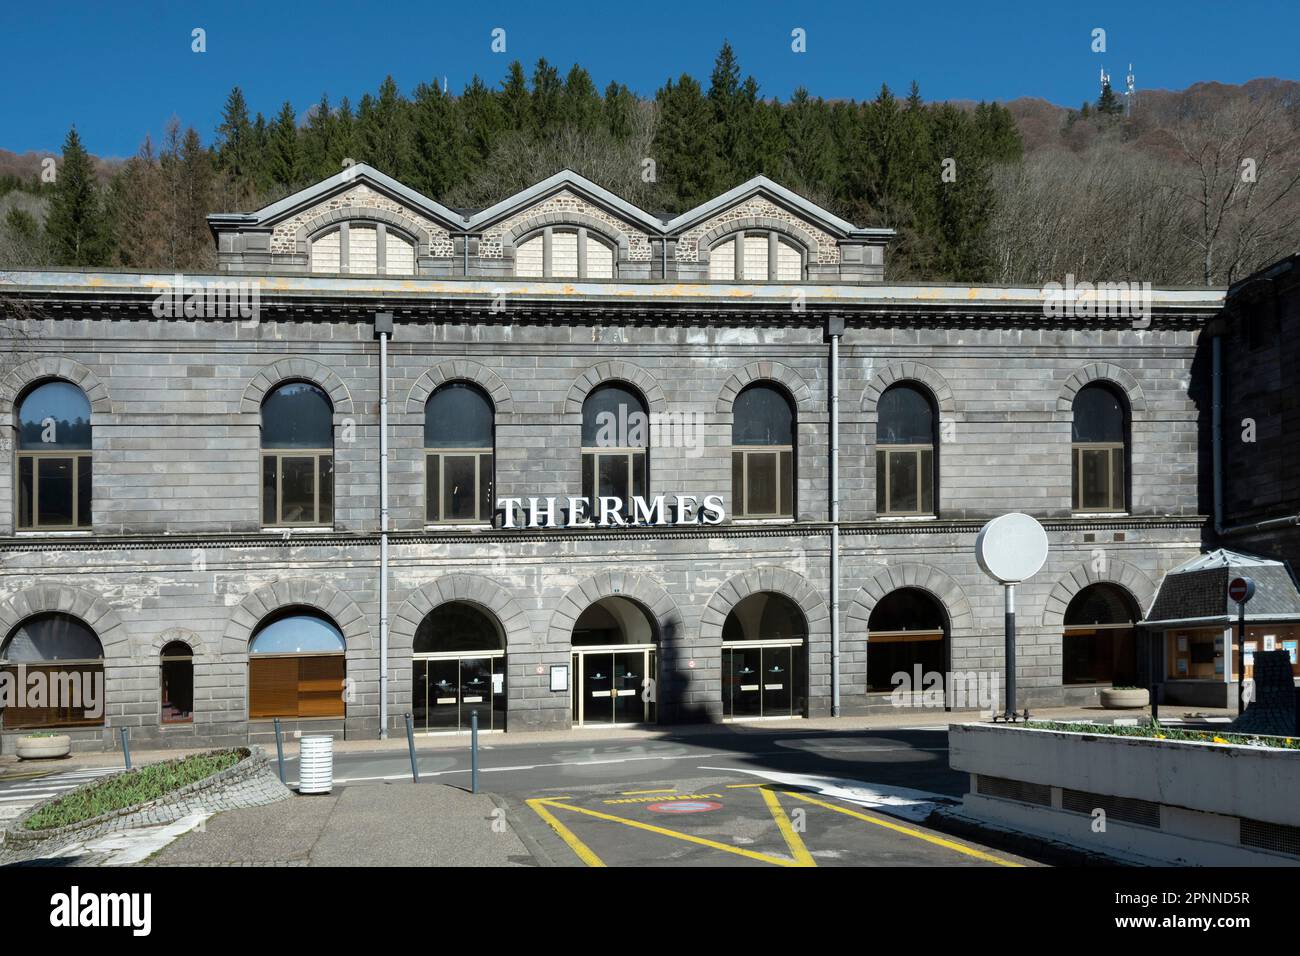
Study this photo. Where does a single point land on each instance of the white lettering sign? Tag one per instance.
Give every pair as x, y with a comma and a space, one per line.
608, 511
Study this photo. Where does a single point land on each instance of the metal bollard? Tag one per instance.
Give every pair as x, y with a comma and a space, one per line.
279, 748
410, 746
473, 752
126, 747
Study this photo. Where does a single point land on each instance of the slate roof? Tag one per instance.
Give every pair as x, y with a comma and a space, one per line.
1196, 592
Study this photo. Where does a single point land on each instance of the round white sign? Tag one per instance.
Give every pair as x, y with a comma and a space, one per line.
1011, 548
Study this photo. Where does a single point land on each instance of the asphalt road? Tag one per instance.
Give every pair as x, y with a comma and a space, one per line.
733, 796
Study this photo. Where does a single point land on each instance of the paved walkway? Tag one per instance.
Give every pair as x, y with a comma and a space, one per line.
10, 766
396, 824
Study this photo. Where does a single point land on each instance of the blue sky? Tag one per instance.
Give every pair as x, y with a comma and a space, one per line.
120, 70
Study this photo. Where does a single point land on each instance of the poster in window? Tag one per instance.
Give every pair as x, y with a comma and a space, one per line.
1270, 642
1290, 648
1182, 667
1248, 653
1182, 643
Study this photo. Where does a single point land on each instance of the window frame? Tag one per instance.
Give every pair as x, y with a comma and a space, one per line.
774, 238
884, 480
1077, 451
84, 665
35, 457
584, 234
382, 229
742, 509
430, 454
316, 455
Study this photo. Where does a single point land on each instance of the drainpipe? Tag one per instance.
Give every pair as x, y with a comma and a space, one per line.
834, 329
383, 329
1216, 425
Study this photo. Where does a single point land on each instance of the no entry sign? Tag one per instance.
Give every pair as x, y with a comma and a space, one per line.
1241, 590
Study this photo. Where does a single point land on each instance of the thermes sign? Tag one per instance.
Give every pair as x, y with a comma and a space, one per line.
609, 511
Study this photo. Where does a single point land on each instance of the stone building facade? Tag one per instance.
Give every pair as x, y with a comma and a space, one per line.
177, 551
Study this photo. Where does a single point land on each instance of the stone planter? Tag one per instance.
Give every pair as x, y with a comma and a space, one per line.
1126, 698
1166, 801
43, 748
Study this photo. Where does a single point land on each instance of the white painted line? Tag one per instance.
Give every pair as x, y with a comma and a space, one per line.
33, 797
903, 802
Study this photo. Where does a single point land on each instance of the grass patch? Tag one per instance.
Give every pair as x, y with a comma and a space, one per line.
1154, 731
131, 788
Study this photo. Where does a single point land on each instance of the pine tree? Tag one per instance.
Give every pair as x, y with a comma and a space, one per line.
318, 142
284, 164
482, 120
808, 148
684, 143
580, 103
235, 148
76, 228
732, 103
514, 97
196, 175
544, 108
617, 110
438, 145
1108, 104
384, 130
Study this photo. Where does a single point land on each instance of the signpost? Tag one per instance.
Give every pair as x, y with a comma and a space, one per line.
1241, 590
1011, 549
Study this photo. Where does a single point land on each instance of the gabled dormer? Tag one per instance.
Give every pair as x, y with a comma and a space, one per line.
565, 227
762, 232
359, 222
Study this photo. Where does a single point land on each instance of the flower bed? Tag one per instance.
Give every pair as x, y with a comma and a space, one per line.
131, 788
1162, 732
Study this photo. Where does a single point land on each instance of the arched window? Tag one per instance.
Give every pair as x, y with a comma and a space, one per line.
362, 248
296, 667
905, 460
458, 443
70, 659
907, 629
297, 457
762, 455
750, 256
54, 458
177, 667
615, 447
1100, 448
1099, 644
565, 253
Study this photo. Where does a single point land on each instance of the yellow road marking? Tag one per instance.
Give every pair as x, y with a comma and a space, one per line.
568, 836
634, 793
662, 831
741, 786
908, 831
797, 849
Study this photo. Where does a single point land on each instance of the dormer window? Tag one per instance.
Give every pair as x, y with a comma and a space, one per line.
362, 248
756, 257
560, 253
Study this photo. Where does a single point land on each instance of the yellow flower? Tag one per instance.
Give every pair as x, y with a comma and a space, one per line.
1219, 740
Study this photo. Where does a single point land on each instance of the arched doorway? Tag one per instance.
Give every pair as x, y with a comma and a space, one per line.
764, 659
615, 665
907, 633
297, 667
1099, 644
458, 669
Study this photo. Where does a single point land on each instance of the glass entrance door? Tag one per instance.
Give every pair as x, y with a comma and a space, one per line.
762, 680
447, 690
613, 686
